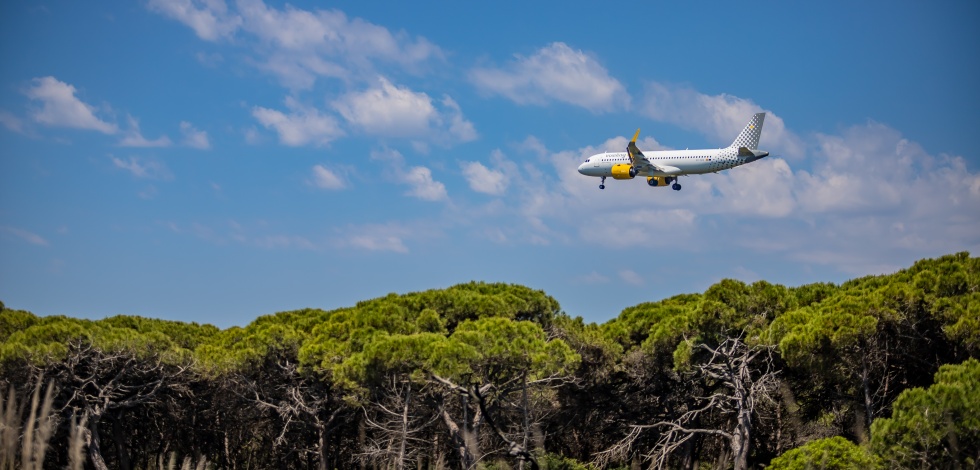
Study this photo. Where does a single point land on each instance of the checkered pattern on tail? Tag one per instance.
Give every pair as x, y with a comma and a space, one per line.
749, 137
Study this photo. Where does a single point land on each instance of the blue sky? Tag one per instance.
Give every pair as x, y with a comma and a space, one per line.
213, 161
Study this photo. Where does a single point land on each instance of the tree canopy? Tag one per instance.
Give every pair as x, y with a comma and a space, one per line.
878, 371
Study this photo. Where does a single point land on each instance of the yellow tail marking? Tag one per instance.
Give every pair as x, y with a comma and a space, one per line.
635, 136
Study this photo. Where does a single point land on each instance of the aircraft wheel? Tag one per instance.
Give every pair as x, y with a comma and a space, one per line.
676, 186
602, 186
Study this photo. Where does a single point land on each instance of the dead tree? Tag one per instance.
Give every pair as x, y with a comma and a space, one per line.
96, 383
397, 421
481, 398
741, 377
296, 402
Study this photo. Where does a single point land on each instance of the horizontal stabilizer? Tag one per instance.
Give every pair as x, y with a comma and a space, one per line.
746, 152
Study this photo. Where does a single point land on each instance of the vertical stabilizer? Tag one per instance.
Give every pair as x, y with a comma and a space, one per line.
749, 138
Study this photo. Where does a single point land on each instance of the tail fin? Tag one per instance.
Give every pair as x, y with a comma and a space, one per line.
749, 138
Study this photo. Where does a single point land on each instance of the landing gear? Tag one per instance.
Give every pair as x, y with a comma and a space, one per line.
602, 184
676, 187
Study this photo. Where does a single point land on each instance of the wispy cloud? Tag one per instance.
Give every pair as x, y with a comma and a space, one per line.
720, 117
193, 137
300, 46
555, 72
390, 237
60, 107
418, 178
146, 168
301, 126
484, 180
134, 138
29, 237
834, 213
631, 277
12, 123
210, 19
323, 178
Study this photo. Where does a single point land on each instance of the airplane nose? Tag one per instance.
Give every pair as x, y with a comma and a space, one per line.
581, 168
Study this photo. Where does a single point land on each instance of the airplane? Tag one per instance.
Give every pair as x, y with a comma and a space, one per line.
664, 166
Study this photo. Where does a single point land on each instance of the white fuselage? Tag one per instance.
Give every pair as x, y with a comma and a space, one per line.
674, 162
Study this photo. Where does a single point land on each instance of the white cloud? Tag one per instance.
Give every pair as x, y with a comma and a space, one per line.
459, 128
721, 117
210, 19
143, 168
484, 180
555, 72
299, 46
303, 125
29, 237
60, 107
375, 237
393, 111
388, 110
134, 138
423, 186
871, 201
193, 137
326, 179
419, 178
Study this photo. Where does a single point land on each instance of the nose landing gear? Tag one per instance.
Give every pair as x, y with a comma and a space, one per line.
602, 184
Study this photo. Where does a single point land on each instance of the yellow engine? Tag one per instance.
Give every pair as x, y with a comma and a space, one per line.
623, 171
659, 180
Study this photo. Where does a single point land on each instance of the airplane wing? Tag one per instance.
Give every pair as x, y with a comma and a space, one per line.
641, 162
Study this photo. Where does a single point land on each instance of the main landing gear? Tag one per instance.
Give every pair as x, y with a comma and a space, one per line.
602, 184
676, 187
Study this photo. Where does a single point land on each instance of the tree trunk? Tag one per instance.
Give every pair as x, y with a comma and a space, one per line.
456, 436
866, 386
93, 441
322, 449
741, 439
117, 437
741, 435
400, 463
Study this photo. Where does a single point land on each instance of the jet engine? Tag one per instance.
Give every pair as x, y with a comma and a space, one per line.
623, 171
659, 180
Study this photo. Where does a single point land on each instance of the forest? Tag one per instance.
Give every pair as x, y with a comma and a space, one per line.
877, 372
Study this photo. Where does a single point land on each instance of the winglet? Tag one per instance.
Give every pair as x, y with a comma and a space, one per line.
635, 136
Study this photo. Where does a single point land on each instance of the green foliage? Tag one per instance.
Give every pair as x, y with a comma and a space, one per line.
936, 427
241, 348
44, 341
657, 326
834, 453
838, 345
15, 320
961, 318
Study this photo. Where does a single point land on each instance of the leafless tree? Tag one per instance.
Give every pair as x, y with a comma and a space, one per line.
741, 377
397, 421
296, 401
96, 383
